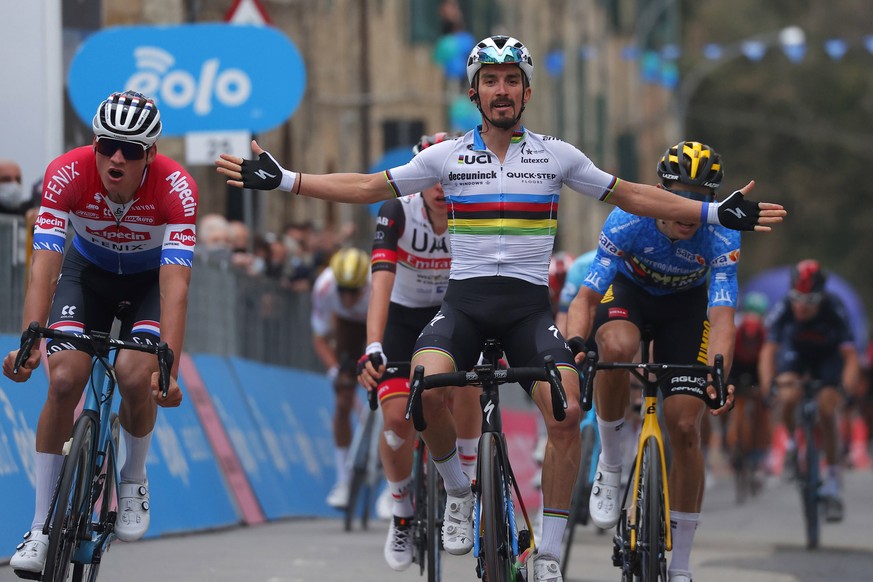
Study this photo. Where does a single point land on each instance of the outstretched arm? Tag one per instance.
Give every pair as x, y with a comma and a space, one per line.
734, 212
265, 173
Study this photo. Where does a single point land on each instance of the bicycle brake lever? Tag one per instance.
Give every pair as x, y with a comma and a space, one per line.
376, 358
587, 388
559, 397
28, 338
413, 405
165, 364
718, 380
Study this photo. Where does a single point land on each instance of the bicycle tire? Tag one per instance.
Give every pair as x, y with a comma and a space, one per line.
358, 479
436, 502
495, 546
809, 489
105, 518
418, 492
72, 513
578, 513
651, 525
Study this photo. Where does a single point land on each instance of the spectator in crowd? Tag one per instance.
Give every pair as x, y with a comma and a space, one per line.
213, 241
13, 198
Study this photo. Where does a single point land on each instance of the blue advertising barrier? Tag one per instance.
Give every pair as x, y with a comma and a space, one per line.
186, 487
291, 411
20, 405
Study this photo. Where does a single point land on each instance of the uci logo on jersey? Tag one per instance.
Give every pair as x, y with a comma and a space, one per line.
198, 74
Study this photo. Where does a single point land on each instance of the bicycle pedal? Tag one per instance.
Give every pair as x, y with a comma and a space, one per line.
28, 575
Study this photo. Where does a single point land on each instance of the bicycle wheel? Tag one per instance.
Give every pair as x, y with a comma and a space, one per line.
809, 488
360, 453
436, 504
105, 516
650, 516
418, 492
494, 521
578, 513
72, 513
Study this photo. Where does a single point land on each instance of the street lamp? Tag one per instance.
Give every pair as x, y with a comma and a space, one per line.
792, 39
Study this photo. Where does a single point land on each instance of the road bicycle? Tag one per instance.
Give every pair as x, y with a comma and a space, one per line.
578, 512
808, 473
429, 503
744, 457
81, 520
642, 538
365, 465
501, 547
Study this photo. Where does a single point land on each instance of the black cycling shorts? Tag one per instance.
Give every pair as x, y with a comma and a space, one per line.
512, 311
88, 298
403, 328
680, 328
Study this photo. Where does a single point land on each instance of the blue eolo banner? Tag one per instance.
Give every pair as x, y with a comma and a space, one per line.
204, 77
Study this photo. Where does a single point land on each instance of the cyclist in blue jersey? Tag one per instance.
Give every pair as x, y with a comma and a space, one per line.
809, 333
575, 277
679, 278
502, 184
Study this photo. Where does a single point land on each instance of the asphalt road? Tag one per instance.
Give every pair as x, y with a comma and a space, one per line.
759, 541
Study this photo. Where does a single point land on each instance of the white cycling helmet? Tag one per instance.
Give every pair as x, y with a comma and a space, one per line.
499, 50
128, 116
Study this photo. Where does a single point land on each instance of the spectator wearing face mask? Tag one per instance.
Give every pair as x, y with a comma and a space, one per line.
13, 198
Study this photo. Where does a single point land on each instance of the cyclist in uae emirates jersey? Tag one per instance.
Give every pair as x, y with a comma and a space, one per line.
502, 184
132, 212
411, 259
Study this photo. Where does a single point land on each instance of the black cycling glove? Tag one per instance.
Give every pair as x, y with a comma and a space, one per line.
737, 213
261, 174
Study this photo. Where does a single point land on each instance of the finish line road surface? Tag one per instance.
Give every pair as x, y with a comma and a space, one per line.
758, 541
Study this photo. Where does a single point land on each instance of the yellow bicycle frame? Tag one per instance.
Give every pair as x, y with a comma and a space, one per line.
651, 428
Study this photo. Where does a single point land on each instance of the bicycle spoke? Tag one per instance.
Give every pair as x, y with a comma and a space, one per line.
72, 514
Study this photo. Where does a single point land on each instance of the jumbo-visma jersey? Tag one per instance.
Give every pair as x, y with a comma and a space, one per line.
157, 228
633, 246
502, 216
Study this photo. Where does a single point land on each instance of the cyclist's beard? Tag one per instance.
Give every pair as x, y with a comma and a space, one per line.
502, 123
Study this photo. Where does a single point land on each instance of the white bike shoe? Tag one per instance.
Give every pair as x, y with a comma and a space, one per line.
132, 521
680, 578
398, 546
547, 569
30, 554
458, 524
338, 497
603, 505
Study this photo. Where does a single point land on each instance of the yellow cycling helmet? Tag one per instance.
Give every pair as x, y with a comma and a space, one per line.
350, 267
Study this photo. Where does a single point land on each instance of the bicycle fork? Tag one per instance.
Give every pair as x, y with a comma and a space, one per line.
650, 428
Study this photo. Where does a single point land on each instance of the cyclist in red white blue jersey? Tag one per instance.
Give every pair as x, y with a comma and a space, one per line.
132, 213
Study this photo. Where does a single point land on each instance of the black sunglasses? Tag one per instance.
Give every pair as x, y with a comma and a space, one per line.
692, 195
130, 150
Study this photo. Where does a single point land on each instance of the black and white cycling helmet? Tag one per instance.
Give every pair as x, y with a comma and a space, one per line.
499, 50
691, 163
128, 116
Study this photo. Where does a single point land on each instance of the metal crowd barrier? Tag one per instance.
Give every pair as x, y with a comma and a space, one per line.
229, 313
